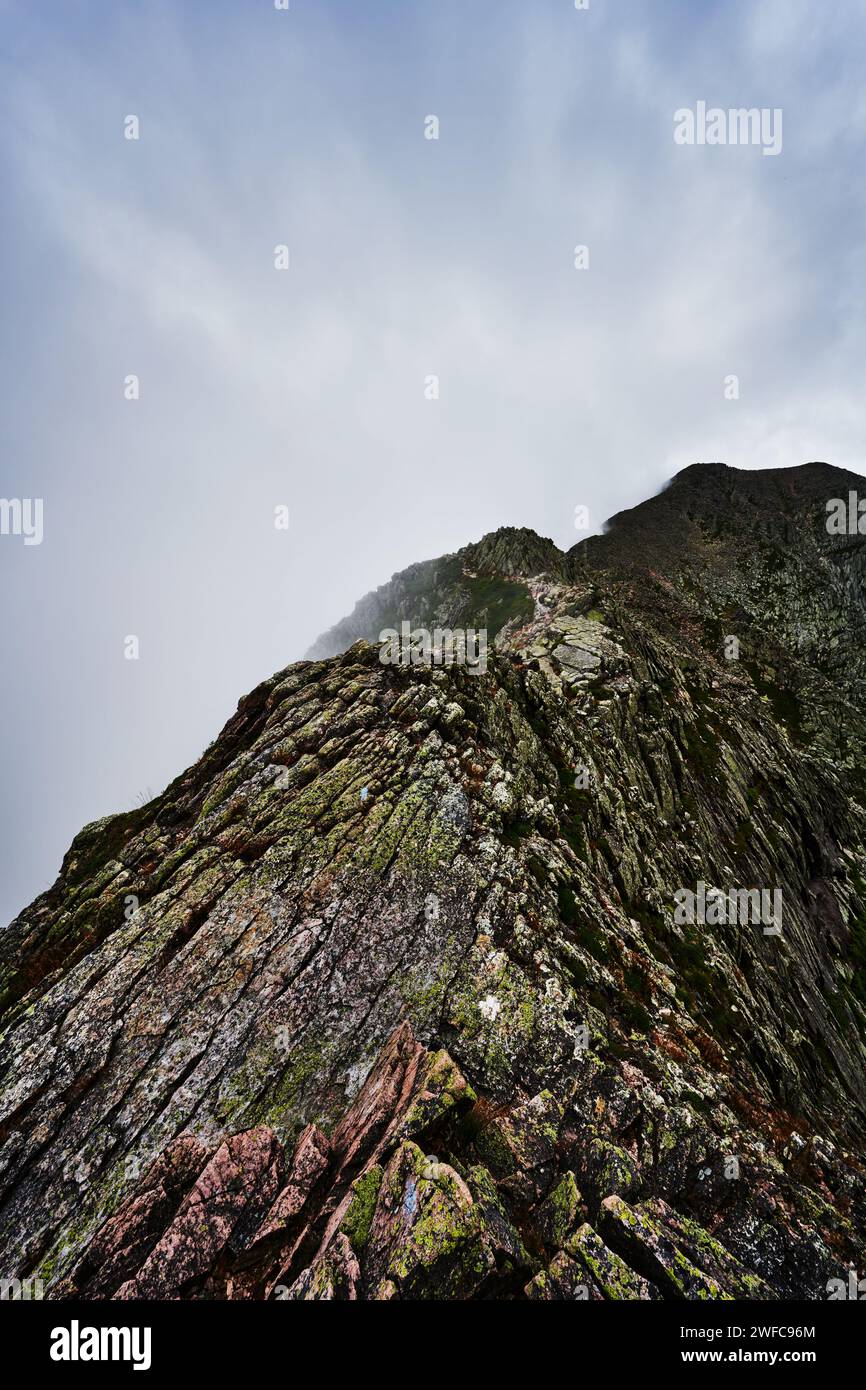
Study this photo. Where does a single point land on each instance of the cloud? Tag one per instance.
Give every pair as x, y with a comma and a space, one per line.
408, 257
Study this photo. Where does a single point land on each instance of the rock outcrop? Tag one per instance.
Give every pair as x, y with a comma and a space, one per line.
388, 995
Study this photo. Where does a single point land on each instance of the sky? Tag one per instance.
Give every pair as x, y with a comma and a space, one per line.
308, 388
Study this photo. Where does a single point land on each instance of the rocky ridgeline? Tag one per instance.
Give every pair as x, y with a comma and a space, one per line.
385, 997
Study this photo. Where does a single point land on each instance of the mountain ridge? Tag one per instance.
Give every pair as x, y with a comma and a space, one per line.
387, 995
522, 552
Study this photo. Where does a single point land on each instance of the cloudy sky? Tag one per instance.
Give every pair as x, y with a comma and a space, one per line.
408, 257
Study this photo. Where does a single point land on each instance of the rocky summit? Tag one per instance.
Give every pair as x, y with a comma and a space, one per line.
433, 982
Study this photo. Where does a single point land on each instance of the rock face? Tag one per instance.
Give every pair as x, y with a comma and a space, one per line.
482, 585
393, 994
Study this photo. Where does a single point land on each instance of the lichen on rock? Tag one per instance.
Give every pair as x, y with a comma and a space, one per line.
386, 997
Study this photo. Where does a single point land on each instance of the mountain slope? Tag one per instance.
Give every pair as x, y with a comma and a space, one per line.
482, 585
386, 996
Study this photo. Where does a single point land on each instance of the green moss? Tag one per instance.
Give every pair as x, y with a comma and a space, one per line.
444, 1092
561, 1209
359, 1215
495, 602
492, 1147
270, 1090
